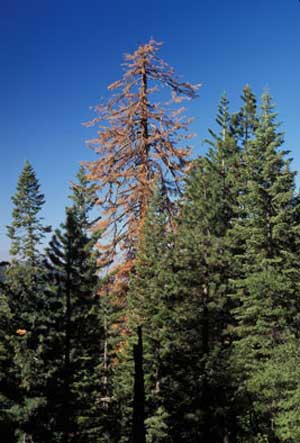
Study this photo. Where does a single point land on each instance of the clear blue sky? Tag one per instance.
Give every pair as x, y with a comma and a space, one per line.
58, 56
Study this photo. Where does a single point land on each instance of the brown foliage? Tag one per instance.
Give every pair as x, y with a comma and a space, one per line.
137, 144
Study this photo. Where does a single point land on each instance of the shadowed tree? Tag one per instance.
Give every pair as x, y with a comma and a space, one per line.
74, 341
138, 421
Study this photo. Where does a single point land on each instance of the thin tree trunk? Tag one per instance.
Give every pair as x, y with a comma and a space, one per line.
138, 421
205, 349
145, 139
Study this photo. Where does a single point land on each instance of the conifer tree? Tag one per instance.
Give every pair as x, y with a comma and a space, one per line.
74, 340
24, 291
26, 230
244, 122
26, 233
149, 308
138, 143
84, 197
203, 268
222, 170
267, 287
178, 294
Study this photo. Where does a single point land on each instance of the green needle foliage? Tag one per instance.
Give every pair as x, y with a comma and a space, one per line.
8, 394
267, 288
84, 197
26, 230
213, 291
24, 291
149, 306
74, 341
203, 271
244, 122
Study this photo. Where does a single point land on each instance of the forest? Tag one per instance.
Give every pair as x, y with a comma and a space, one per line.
165, 308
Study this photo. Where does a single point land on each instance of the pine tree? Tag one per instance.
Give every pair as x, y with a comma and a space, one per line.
84, 197
26, 230
26, 233
267, 285
149, 308
203, 268
179, 294
73, 344
245, 122
222, 170
24, 291
137, 144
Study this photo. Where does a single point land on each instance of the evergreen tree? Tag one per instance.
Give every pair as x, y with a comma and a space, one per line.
178, 293
139, 142
203, 268
26, 230
73, 343
149, 308
212, 280
222, 170
84, 197
266, 288
24, 292
26, 233
245, 122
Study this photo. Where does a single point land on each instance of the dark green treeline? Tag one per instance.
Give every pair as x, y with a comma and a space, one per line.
215, 296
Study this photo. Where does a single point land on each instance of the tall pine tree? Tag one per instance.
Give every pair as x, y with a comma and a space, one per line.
149, 308
24, 290
266, 288
73, 344
139, 142
203, 268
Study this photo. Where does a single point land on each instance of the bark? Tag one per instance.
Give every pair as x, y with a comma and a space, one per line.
138, 421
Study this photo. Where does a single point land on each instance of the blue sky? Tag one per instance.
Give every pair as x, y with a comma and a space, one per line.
58, 56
